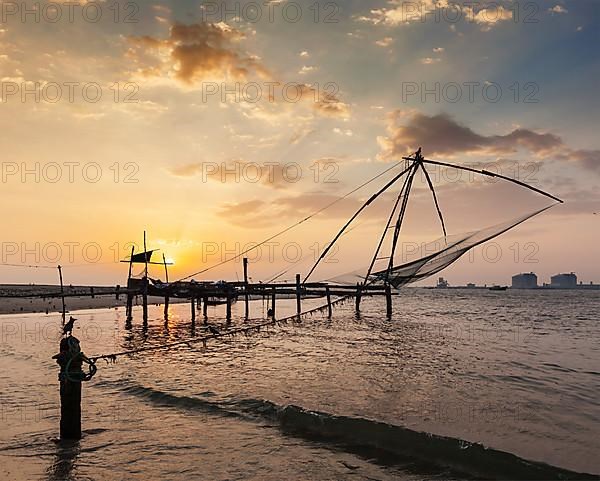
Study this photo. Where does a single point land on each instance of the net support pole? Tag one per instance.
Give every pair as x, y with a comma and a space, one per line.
273, 297
145, 285
358, 296
205, 309
246, 305
193, 308
298, 296
129, 306
166, 311
328, 294
388, 300
228, 313
62, 294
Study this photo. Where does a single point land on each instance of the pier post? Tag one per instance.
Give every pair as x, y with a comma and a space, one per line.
117, 292
70, 387
193, 309
246, 307
273, 292
388, 300
166, 312
145, 300
62, 294
328, 294
228, 314
92, 292
205, 309
129, 307
145, 285
298, 294
358, 296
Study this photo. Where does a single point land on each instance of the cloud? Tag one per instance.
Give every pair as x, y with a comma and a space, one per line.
196, 52
441, 134
207, 51
258, 213
558, 9
385, 42
270, 174
588, 159
405, 12
306, 69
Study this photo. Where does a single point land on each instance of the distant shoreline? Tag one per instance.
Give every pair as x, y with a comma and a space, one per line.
28, 298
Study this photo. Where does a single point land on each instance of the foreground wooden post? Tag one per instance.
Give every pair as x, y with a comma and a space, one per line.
358, 296
328, 294
298, 293
117, 292
70, 388
193, 309
205, 309
92, 292
388, 300
246, 307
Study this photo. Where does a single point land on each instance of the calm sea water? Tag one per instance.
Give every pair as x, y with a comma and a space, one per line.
324, 399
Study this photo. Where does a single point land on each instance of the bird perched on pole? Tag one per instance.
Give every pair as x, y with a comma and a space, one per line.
69, 326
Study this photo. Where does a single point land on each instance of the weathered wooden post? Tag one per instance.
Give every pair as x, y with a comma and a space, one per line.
145, 284
298, 296
193, 309
92, 292
205, 308
273, 312
246, 306
70, 360
166, 311
228, 293
129, 307
62, 294
117, 292
328, 294
358, 296
388, 300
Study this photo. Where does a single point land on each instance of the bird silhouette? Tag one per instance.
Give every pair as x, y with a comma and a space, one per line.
69, 326
213, 330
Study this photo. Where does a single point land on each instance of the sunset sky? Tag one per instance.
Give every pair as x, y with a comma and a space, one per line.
213, 125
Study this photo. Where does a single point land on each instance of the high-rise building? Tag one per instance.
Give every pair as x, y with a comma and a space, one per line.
564, 280
524, 281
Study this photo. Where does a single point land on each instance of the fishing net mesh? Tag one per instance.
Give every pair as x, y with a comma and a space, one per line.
432, 257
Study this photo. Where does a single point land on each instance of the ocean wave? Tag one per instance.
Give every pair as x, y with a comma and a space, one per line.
373, 438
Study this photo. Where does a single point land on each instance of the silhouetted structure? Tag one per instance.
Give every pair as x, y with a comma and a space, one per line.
564, 281
524, 281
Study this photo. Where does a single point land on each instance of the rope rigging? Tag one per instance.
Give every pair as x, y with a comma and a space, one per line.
287, 229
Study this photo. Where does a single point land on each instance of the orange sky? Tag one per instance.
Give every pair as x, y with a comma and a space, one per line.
213, 132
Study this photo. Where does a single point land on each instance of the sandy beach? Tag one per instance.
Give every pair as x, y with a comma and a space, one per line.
16, 298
